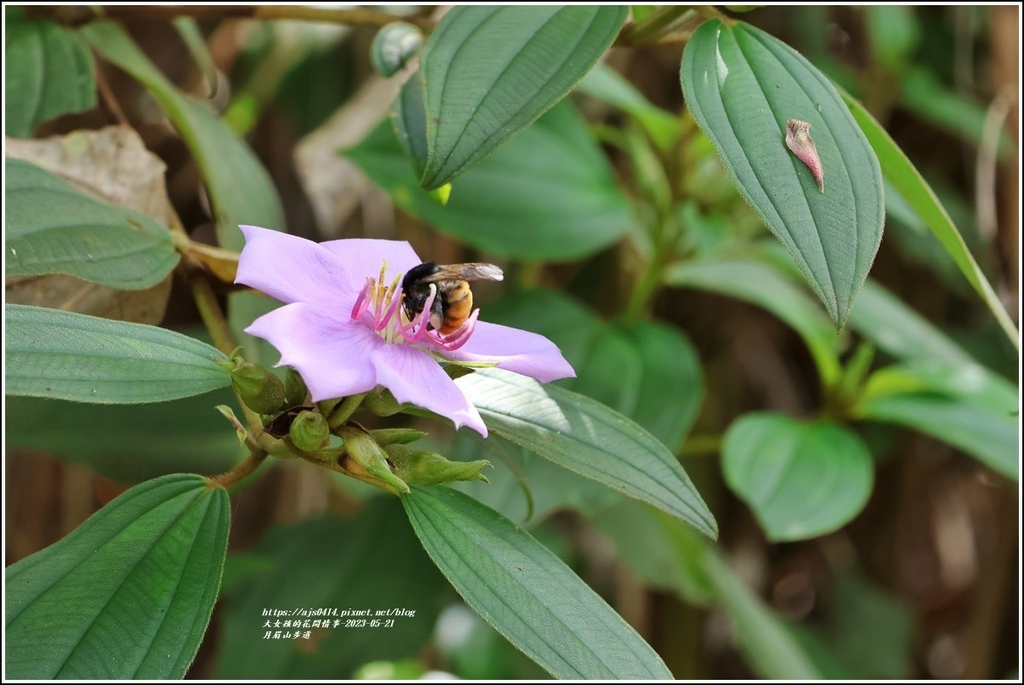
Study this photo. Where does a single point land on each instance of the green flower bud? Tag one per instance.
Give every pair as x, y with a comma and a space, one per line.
309, 431
430, 468
393, 47
368, 461
294, 388
393, 436
382, 403
262, 391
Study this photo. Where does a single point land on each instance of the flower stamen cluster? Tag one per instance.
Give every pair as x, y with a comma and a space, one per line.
380, 307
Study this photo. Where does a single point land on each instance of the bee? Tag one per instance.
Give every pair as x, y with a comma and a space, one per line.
454, 300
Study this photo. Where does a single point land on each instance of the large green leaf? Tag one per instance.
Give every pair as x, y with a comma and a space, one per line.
586, 437
800, 480
128, 594
490, 71
527, 593
742, 86
53, 228
549, 194
967, 406
372, 562
760, 284
69, 356
906, 179
47, 72
240, 188
131, 443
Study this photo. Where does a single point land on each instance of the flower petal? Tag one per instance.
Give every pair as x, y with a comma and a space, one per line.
332, 354
515, 350
413, 376
293, 269
362, 257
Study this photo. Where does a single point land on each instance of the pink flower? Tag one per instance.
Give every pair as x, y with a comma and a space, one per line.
344, 329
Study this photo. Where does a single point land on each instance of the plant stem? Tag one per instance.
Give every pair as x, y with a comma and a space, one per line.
660, 23
246, 468
352, 17
698, 445
211, 313
343, 412
709, 12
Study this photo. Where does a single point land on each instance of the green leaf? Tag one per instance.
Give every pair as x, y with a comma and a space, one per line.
192, 36
906, 179
801, 480
760, 284
967, 406
548, 195
869, 631
648, 371
742, 85
926, 97
586, 437
47, 72
489, 72
670, 555
527, 593
762, 635
53, 228
240, 189
409, 119
885, 320
371, 562
132, 443
128, 594
657, 548
604, 83
672, 384
893, 32
69, 356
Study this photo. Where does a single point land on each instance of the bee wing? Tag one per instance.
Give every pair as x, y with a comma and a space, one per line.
473, 271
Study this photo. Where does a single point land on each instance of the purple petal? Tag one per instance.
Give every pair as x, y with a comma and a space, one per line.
362, 257
515, 350
333, 355
413, 376
293, 269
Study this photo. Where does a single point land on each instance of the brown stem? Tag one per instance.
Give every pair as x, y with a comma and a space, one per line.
993, 593
246, 468
109, 98
352, 17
